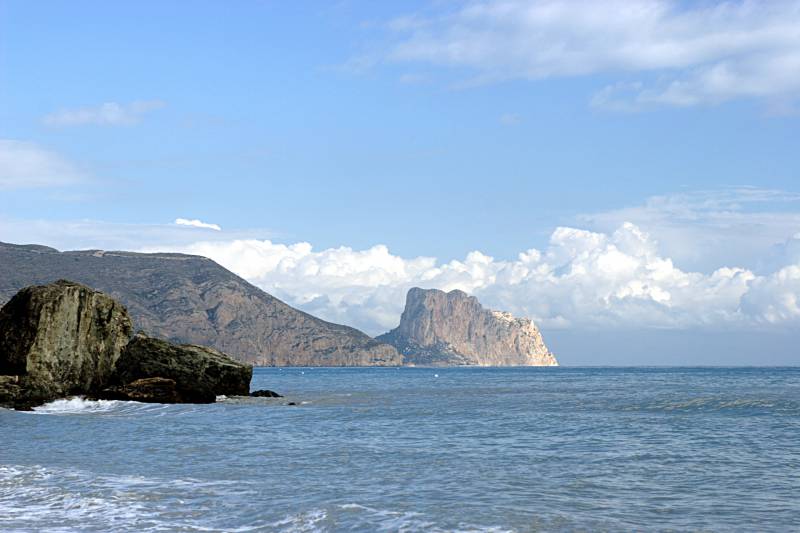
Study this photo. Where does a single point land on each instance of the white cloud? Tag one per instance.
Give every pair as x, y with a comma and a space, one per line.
107, 114
776, 298
688, 53
583, 279
27, 165
701, 230
627, 271
196, 224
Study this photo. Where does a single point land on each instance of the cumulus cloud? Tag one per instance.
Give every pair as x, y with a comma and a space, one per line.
613, 275
582, 279
776, 298
701, 230
196, 224
27, 165
687, 53
107, 114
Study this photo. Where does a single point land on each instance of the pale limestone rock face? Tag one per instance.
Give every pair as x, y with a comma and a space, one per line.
439, 328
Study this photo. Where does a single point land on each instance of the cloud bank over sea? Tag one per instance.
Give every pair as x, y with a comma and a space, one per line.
581, 279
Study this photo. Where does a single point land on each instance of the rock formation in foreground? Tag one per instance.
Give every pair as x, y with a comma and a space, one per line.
200, 374
66, 339
58, 340
442, 329
192, 300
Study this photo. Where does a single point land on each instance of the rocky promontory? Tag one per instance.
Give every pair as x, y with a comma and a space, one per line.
65, 339
452, 328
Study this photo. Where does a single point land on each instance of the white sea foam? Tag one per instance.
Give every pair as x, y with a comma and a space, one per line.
34, 497
309, 521
78, 405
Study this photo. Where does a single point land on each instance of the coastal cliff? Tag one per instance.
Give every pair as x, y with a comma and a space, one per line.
452, 328
192, 300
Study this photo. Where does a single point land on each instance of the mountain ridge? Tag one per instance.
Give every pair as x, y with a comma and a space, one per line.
191, 299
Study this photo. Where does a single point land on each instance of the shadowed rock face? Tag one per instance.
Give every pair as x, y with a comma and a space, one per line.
199, 373
58, 340
191, 299
439, 328
148, 390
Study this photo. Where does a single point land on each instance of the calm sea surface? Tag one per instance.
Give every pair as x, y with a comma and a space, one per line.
533, 449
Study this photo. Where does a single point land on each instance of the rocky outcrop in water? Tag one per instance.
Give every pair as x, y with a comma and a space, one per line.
66, 339
200, 374
58, 340
148, 390
439, 328
193, 300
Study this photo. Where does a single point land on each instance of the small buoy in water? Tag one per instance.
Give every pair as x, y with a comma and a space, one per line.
436, 375
302, 372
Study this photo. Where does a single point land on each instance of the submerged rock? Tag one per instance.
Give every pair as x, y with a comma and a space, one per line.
200, 373
264, 393
58, 340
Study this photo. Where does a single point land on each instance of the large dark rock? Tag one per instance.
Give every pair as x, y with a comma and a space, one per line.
58, 340
66, 339
200, 374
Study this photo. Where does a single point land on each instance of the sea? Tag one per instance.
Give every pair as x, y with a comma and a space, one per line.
420, 449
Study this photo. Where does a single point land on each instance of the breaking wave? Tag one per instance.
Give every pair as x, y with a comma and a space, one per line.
80, 406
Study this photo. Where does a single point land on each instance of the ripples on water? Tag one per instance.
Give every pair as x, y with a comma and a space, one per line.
404, 450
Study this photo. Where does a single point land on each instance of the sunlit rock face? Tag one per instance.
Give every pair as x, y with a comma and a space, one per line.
58, 339
453, 328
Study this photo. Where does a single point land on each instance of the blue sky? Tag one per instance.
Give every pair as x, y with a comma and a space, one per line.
433, 129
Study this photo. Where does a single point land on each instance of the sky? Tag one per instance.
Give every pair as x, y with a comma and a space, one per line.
625, 173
